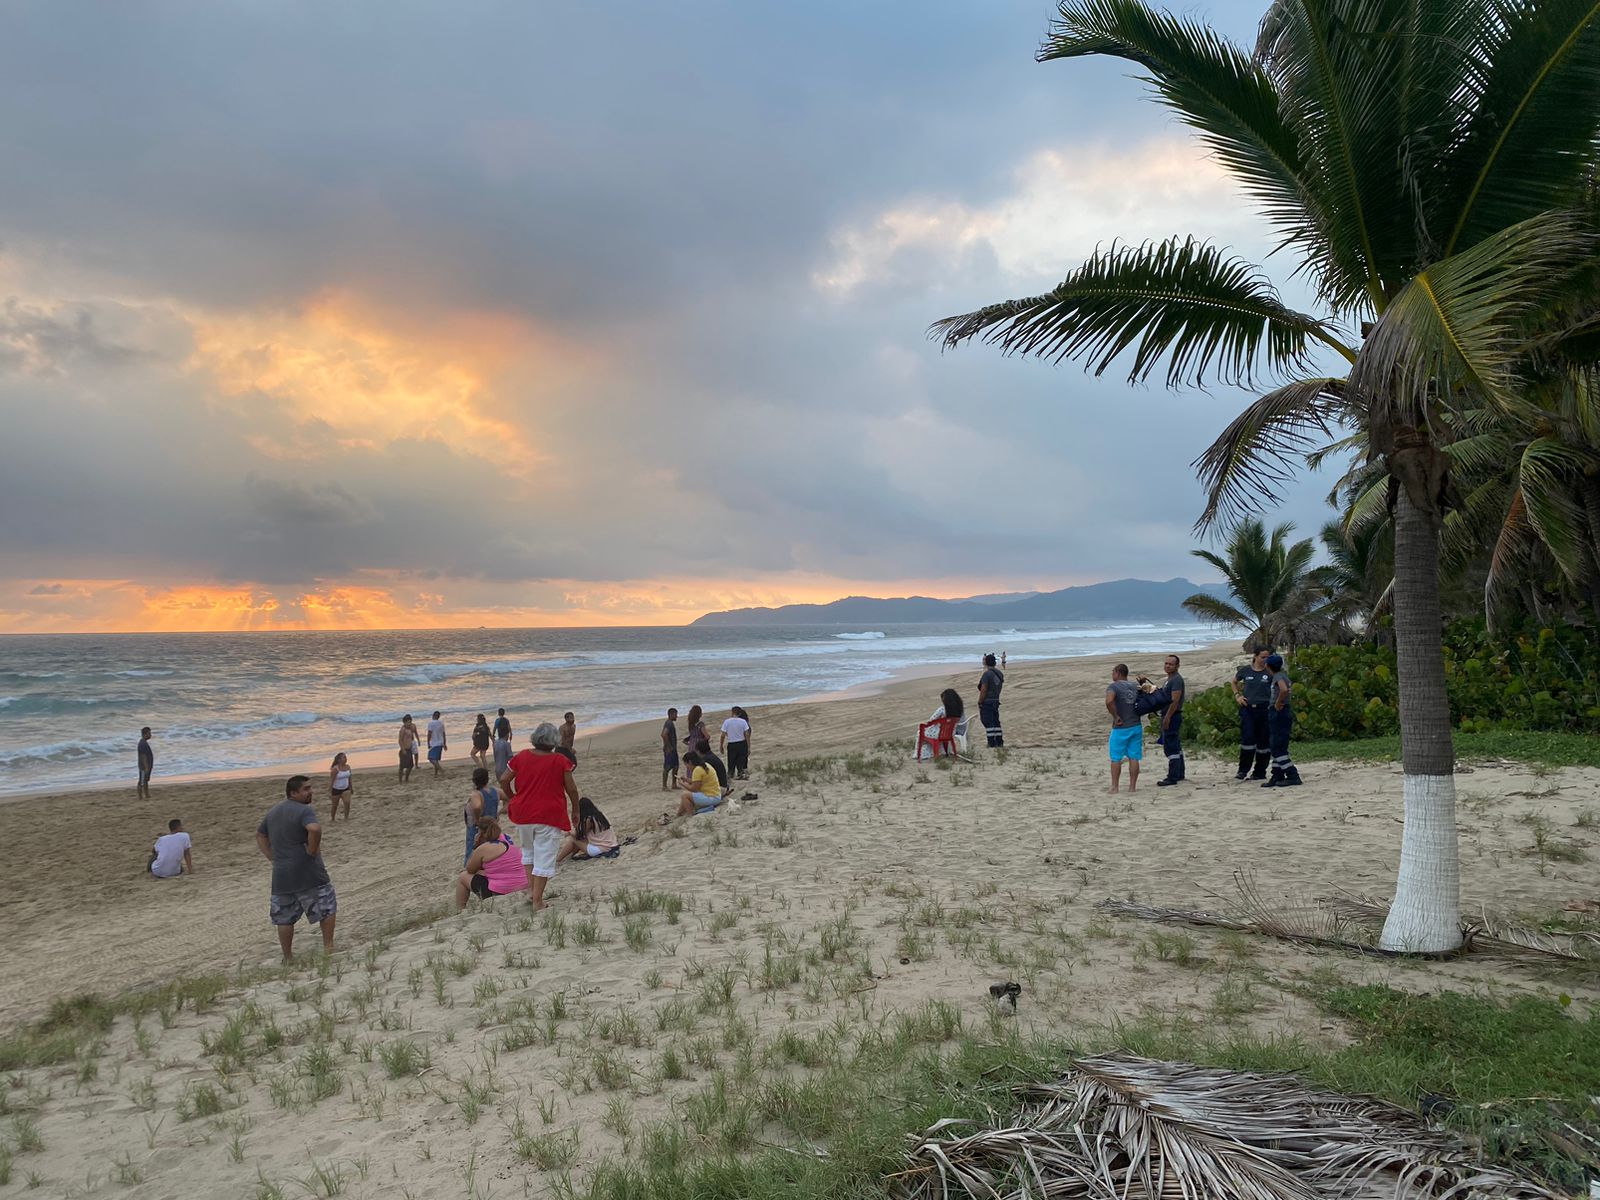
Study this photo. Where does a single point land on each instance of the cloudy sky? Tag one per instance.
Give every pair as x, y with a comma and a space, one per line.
398, 314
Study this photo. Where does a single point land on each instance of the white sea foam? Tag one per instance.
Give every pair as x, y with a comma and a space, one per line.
870, 636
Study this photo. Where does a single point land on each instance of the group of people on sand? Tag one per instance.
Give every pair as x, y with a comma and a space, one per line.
700, 775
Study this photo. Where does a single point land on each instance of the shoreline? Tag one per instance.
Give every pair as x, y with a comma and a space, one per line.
386, 760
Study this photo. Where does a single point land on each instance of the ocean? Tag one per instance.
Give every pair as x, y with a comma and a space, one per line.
71, 706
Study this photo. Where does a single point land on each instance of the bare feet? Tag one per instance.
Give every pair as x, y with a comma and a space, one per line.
1113, 791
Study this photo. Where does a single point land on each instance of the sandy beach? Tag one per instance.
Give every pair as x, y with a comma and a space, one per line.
858, 889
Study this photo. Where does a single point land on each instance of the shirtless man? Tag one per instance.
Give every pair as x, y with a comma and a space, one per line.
569, 735
408, 747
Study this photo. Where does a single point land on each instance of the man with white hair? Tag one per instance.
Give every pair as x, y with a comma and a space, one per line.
543, 805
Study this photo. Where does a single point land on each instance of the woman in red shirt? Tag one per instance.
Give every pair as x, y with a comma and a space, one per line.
543, 805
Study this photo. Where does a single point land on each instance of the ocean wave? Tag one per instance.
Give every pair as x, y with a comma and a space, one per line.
51, 754
870, 636
444, 672
143, 672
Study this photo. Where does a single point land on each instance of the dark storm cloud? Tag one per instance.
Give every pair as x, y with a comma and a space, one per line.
660, 184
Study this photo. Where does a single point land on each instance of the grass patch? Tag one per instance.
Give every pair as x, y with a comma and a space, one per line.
1546, 749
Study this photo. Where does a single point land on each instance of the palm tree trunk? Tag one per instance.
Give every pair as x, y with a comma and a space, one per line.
1426, 914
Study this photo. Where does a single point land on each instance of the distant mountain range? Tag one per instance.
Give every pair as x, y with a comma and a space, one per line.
1118, 600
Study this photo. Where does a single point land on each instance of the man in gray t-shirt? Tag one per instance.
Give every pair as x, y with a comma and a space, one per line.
290, 837
1127, 738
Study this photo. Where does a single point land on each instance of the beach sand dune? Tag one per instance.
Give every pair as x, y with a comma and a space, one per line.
866, 896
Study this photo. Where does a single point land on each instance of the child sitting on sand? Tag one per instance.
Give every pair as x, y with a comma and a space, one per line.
594, 835
493, 867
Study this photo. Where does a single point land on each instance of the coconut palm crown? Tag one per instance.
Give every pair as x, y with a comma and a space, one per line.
1427, 165
1269, 579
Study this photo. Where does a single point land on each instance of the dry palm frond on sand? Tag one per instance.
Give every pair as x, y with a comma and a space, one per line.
1352, 923
1126, 1128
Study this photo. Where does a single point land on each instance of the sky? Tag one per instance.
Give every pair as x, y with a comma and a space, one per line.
388, 314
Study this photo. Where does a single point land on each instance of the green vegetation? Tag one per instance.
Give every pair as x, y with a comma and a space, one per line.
1525, 681
79, 1023
1546, 749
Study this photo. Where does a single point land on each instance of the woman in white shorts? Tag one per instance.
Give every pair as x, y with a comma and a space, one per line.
541, 800
594, 835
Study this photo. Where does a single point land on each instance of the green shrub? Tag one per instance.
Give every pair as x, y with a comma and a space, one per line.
1534, 679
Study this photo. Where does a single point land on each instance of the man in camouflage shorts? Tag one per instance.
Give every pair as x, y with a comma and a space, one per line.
290, 836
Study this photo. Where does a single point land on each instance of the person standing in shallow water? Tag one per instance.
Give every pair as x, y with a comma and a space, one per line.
989, 685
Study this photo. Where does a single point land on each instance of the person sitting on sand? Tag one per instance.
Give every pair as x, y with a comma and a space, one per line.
543, 804
594, 835
170, 857
494, 867
483, 802
340, 786
696, 739
703, 792
480, 742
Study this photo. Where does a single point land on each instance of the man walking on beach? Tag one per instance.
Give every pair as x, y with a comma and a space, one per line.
669, 752
147, 761
437, 744
408, 747
502, 743
1127, 738
1252, 691
1172, 723
569, 735
290, 837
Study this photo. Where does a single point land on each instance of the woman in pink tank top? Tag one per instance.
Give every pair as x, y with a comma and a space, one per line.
493, 868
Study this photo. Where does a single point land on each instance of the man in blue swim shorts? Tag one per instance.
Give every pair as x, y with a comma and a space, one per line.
1127, 738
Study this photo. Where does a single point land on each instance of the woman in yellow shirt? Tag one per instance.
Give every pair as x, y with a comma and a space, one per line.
704, 792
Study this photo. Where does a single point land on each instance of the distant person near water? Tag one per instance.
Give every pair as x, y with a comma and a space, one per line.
170, 857
569, 736
290, 837
502, 743
437, 742
542, 801
1126, 742
989, 685
1172, 723
736, 740
1002, 660
480, 742
669, 751
483, 802
147, 760
408, 747
1252, 691
340, 786
1280, 723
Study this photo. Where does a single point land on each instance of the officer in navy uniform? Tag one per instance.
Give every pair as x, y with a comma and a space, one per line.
1252, 690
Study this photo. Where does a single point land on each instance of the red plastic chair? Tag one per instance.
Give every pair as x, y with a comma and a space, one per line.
939, 736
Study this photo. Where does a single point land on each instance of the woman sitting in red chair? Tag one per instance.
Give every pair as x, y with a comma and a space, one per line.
936, 735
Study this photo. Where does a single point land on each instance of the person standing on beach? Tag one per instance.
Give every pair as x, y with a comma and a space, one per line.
1002, 660
989, 685
542, 801
340, 786
290, 838
170, 856
480, 742
736, 740
1280, 723
669, 752
1127, 738
437, 744
502, 743
1172, 723
408, 747
147, 761
569, 736
1252, 691
697, 739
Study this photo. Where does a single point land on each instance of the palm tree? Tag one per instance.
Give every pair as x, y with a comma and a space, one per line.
1268, 578
1357, 581
1426, 162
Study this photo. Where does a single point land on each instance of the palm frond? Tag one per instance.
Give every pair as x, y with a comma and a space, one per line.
1547, 473
1212, 608
1180, 300
1117, 1126
1454, 331
1245, 468
1530, 144
1214, 87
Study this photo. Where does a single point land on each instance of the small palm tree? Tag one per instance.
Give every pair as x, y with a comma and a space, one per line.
1357, 582
1267, 576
